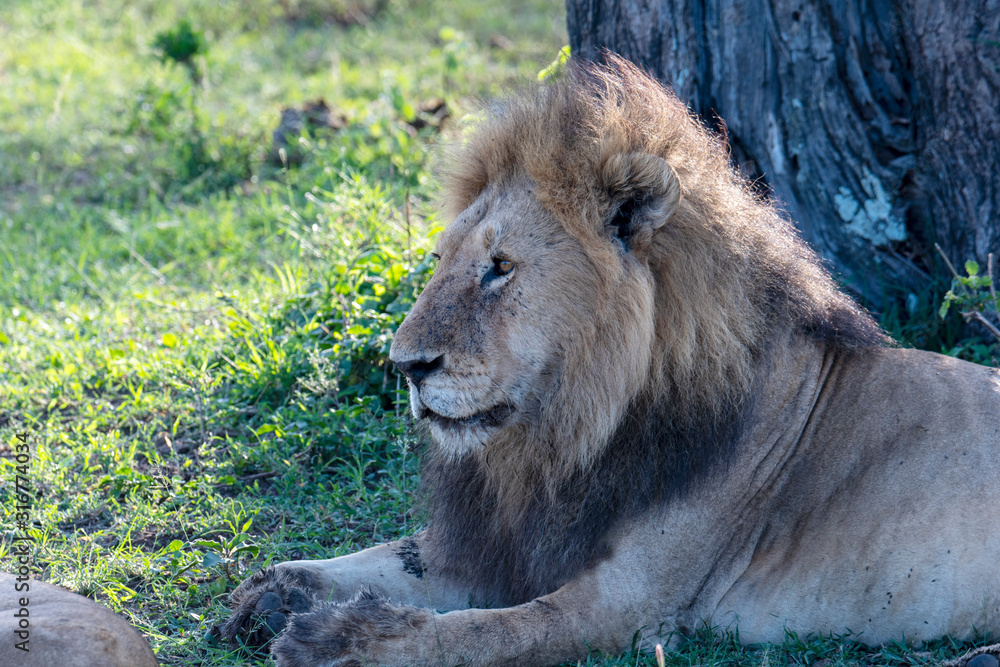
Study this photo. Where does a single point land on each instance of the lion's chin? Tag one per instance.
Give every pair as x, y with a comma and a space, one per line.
460, 435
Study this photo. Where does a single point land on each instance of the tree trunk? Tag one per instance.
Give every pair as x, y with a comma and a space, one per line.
876, 123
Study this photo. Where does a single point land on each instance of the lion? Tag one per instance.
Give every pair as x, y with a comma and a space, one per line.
650, 409
45, 625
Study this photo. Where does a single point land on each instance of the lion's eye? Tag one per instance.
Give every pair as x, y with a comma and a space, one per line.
501, 268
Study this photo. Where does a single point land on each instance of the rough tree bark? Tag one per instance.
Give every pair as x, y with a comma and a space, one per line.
875, 122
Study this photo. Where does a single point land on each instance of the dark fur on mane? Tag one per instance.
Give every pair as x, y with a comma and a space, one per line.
653, 456
759, 284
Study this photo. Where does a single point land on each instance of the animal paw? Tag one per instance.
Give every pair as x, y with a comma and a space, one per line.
368, 630
984, 656
263, 604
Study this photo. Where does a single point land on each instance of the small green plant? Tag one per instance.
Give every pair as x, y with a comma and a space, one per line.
182, 44
974, 295
227, 550
556, 66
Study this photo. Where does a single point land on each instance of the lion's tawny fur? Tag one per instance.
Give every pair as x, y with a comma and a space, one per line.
730, 275
730, 268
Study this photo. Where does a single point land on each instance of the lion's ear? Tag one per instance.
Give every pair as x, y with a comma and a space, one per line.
645, 193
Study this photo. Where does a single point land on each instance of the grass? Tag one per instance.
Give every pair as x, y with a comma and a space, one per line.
194, 337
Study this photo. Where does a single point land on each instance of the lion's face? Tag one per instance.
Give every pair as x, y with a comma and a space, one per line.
484, 344
528, 327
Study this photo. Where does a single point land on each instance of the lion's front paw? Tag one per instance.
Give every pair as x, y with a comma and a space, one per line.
368, 630
263, 604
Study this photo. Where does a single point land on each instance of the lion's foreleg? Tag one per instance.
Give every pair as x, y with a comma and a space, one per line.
263, 603
565, 625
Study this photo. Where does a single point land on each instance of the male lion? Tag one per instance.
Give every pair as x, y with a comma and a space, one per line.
650, 409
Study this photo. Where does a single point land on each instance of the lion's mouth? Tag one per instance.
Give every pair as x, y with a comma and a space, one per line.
491, 418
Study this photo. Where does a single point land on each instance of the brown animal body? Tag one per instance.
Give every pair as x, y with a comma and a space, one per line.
48, 626
650, 409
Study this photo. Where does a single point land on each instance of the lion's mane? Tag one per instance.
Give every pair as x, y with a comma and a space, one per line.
731, 277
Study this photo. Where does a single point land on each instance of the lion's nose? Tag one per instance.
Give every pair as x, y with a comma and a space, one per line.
419, 368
